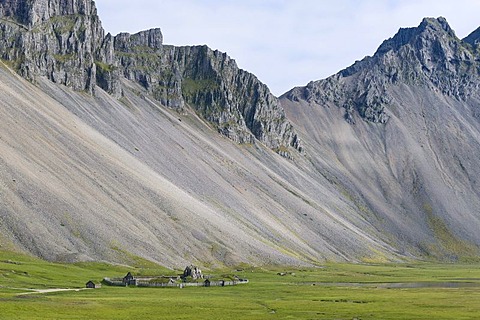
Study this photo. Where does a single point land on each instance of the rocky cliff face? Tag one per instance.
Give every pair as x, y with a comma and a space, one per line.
29, 13
55, 39
234, 101
429, 55
64, 41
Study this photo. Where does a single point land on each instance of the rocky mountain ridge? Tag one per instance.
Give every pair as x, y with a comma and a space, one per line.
429, 55
64, 41
240, 107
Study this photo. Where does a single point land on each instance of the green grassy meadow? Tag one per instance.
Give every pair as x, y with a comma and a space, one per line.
300, 294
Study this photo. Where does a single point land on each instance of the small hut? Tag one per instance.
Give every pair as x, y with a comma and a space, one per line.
91, 285
129, 279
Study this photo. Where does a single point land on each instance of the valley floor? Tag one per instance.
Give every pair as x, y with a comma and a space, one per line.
335, 291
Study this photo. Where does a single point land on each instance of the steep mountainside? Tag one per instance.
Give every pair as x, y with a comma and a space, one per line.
401, 131
92, 177
140, 169
118, 147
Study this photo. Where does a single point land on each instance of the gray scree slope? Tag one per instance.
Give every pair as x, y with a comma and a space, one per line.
114, 147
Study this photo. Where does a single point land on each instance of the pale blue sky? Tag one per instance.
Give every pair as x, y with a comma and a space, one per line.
286, 43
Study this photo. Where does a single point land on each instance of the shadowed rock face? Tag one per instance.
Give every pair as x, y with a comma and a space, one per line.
136, 166
473, 39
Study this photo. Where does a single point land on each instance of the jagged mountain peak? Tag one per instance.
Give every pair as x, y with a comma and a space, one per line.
152, 39
432, 45
435, 22
430, 56
429, 30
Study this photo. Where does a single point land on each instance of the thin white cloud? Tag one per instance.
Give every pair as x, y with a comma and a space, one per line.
285, 43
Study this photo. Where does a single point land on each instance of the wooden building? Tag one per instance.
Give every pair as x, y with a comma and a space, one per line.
92, 285
129, 280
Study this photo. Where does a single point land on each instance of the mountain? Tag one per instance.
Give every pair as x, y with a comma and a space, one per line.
401, 131
122, 147
124, 154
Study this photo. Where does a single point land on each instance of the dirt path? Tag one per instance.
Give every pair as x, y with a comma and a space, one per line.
33, 291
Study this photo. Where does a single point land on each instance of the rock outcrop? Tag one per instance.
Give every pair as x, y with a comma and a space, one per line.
233, 100
33, 12
473, 39
55, 39
64, 41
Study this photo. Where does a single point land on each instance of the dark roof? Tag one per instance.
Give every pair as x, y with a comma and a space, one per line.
90, 284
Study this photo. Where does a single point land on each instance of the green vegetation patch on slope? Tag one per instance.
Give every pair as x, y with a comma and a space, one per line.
103, 67
63, 58
191, 87
451, 245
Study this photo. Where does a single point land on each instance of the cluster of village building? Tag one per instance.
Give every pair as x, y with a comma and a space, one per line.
192, 276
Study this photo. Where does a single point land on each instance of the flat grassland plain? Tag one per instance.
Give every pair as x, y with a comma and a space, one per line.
333, 291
